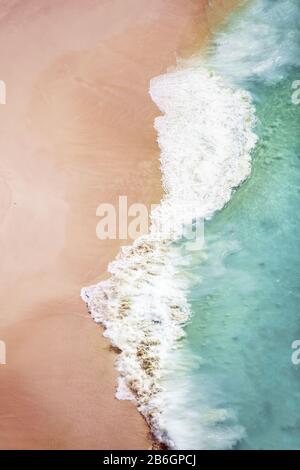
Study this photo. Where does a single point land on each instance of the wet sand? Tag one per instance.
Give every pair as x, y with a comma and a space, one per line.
77, 131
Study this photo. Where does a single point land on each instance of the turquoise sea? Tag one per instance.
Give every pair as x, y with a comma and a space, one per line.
245, 288
205, 335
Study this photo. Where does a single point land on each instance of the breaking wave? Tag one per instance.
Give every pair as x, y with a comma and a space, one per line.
205, 136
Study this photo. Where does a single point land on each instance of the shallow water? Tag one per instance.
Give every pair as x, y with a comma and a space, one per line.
232, 383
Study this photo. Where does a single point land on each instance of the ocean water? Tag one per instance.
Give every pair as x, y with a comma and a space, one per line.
205, 335
232, 383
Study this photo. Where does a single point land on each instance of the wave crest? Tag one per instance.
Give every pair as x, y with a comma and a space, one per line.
205, 137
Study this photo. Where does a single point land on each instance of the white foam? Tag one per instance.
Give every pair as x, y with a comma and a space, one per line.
205, 136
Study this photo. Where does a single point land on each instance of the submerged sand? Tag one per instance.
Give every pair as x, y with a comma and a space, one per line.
77, 131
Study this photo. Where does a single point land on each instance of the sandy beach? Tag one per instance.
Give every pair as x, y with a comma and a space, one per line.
77, 131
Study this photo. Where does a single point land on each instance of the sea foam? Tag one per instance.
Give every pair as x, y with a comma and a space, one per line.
205, 136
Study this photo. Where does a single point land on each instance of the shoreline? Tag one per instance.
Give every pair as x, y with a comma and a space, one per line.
112, 302
81, 84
